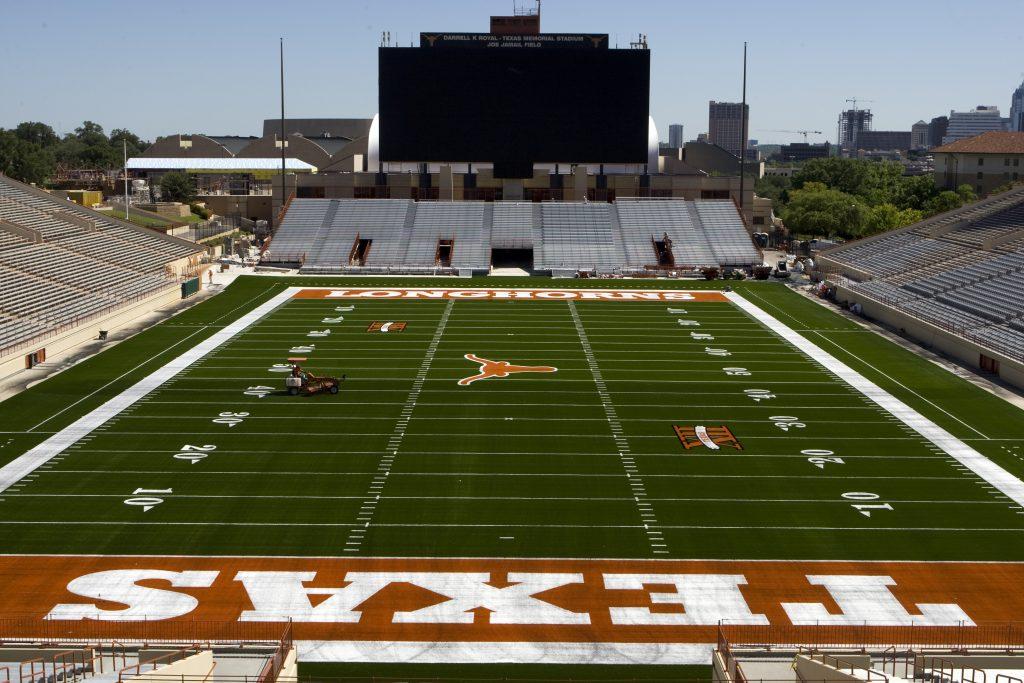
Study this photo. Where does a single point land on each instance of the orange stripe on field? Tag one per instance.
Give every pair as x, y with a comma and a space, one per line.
476, 293
31, 586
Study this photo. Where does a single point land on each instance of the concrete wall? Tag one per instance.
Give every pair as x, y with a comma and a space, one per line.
89, 331
195, 667
935, 338
812, 670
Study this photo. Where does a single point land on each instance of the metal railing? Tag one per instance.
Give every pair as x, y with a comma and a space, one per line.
36, 339
999, 636
958, 330
132, 633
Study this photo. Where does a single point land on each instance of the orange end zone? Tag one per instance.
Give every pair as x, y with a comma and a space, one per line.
508, 600
675, 296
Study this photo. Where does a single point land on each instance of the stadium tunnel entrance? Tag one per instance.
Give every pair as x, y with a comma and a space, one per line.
521, 258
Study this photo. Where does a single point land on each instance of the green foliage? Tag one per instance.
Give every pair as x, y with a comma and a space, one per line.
820, 211
966, 193
885, 217
37, 133
775, 188
944, 201
200, 211
888, 199
177, 187
23, 160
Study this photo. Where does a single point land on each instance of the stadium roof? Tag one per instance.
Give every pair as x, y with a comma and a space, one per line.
217, 164
992, 142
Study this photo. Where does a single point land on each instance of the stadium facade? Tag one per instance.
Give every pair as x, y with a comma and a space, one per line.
455, 126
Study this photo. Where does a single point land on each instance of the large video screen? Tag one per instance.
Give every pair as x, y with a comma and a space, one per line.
514, 106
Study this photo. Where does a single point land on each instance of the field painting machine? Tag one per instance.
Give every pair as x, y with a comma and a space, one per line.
302, 381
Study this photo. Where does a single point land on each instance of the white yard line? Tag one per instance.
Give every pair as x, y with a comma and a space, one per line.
992, 473
655, 536
354, 542
25, 464
903, 386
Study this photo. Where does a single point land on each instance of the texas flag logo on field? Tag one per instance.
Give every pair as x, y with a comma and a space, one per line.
713, 437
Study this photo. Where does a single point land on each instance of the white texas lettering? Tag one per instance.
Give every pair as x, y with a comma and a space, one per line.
143, 603
513, 604
278, 596
707, 599
867, 600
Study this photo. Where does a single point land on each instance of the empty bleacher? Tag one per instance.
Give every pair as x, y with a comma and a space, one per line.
61, 263
962, 271
321, 235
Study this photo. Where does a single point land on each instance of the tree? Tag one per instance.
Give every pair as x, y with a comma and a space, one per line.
851, 176
119, 136
944, 201
885, 217
24, 161
37, 133
775, 188
966, 193
88, 147
177, 187
817, 210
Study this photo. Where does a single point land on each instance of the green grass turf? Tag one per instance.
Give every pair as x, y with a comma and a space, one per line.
500, 672
525, 466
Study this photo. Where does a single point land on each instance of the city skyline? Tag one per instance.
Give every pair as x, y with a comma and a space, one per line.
218, 75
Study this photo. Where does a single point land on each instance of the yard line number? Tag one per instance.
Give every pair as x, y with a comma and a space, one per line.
147, 498
193, 454
230, 419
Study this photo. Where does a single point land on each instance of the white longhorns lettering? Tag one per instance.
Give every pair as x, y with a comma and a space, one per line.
707, 599
867, 600
143, 603
278, 596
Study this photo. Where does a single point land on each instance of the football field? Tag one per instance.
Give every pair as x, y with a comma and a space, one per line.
611, 440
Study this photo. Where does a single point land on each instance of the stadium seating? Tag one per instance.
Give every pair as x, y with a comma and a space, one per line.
320, 234
60, 263
962, 271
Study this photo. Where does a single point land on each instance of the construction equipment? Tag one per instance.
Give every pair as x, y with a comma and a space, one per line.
309, 384
805, 133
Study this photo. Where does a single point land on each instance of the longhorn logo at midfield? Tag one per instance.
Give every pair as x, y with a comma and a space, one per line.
499, 368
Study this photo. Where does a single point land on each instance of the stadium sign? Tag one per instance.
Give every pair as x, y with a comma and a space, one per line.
543, 41
514, 294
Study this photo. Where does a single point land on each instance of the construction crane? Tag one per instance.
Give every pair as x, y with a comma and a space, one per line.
805, 133
854, 100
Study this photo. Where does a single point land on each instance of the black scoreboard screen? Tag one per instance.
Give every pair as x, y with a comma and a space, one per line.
462, 100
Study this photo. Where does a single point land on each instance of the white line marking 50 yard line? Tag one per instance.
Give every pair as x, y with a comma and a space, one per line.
992, 473
355, 538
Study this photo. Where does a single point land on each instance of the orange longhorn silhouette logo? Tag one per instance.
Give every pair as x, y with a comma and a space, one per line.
499, 368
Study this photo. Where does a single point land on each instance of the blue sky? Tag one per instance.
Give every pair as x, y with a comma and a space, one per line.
185, 66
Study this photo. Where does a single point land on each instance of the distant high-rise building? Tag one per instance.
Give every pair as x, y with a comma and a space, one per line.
725, 125
802, 151
967, 124
1017, 110
851, 123
937, 130
872, 140
919, 135
675, 135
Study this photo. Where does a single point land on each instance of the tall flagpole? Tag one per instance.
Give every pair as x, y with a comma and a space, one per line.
743, 129
125, 141
283, 192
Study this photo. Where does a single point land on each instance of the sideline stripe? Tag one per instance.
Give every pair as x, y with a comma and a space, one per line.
992, 473
25, 464
434, 652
